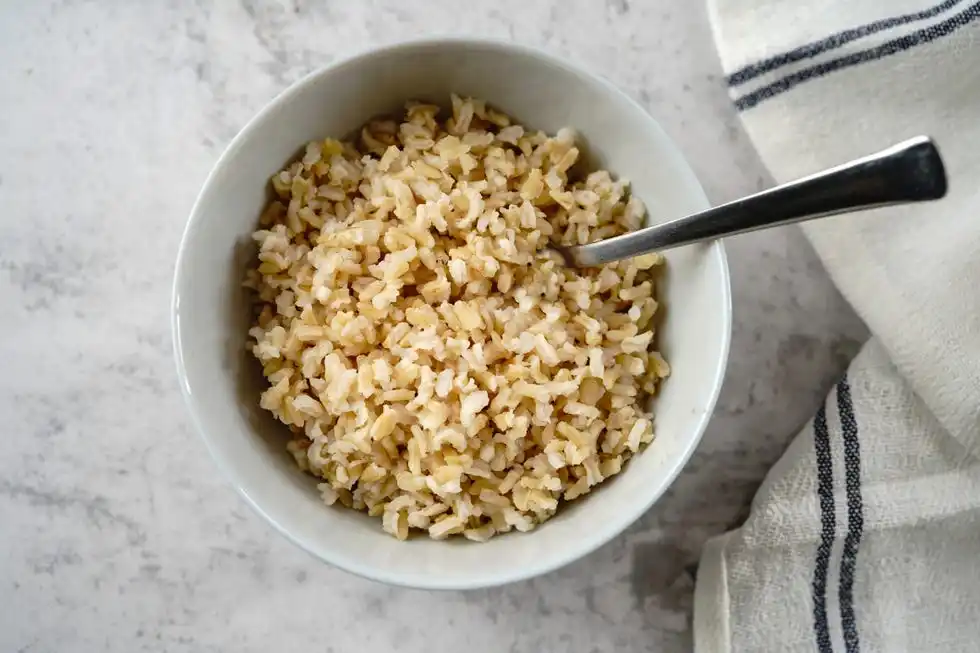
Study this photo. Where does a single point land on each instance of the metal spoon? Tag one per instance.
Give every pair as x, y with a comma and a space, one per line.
911, 171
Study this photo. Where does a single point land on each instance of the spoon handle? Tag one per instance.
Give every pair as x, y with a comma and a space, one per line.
911, 171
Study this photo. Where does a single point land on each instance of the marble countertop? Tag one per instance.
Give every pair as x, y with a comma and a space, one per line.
118, 534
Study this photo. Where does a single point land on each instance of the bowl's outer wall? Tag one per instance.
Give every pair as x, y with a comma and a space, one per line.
211, 311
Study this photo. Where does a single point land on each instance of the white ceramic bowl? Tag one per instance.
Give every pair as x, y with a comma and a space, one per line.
210, 312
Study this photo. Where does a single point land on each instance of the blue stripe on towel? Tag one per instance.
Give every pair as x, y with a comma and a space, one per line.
828, 524
833, 42
887, 49
855, 515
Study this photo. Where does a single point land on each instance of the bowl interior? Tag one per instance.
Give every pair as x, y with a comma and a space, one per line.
211, 313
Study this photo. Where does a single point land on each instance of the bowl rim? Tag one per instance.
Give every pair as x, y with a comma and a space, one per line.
351, 565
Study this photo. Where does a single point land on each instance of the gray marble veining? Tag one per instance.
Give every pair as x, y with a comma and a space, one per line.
118, 534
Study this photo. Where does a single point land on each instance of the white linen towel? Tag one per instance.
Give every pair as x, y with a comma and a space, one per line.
866, 535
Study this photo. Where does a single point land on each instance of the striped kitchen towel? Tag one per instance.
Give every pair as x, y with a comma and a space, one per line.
866, 535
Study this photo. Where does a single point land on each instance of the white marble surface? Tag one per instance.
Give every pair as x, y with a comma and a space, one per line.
116, 532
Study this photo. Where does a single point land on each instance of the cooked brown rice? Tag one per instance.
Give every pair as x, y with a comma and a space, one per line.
438, 366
